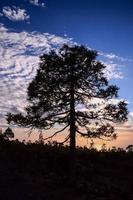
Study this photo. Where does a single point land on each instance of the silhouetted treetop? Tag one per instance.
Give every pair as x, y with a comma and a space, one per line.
8, 133
71, 89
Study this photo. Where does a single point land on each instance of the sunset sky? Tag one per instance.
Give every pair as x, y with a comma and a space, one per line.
28, 28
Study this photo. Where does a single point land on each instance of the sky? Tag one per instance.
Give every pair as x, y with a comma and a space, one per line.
29, 28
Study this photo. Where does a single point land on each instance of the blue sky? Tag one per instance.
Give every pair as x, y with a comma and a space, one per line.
30, 27
104, 24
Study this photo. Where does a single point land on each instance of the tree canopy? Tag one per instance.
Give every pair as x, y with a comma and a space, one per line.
71, 89
8, 133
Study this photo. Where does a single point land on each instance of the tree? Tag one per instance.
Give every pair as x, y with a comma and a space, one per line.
129, 148
66, 80
1, 135
8, 133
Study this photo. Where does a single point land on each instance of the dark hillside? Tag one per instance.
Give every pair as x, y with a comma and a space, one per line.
37, 172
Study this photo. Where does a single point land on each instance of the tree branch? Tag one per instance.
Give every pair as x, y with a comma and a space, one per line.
50, 137
66, 139
86, 116
81, 133
29, 131
58, 114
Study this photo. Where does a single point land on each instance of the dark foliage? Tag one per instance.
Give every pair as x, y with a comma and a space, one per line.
8, 133
66, 79
35, 172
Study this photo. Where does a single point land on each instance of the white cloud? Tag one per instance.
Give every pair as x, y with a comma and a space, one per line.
19, 57
127, 126
112, 56
15, 13
114, 64
113, 70
131, 114
37, 3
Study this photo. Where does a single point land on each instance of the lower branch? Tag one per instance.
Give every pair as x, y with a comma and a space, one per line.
50, 137
66, 139
81, 133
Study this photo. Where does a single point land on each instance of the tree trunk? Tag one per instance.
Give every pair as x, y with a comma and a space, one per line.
72, 129
72, 137
72, 116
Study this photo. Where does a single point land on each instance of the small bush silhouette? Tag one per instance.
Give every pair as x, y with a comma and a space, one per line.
8, 133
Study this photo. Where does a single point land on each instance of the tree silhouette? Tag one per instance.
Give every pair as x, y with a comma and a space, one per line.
8, 133
129, 148
70, 89
0, 131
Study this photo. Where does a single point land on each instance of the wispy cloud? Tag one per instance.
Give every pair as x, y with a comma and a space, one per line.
114, 64
127, 126
37, 3
131, 114
113, 70
112, 57
19, 58
15, 13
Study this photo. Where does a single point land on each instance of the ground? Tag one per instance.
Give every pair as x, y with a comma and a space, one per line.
37, 172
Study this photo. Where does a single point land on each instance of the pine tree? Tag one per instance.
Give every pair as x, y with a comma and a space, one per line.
8, 133
71, 89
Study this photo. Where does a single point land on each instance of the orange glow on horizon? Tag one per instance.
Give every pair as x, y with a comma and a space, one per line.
125, 137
